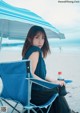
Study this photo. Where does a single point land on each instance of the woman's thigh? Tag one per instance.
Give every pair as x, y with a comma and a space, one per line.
60, 105
41, 97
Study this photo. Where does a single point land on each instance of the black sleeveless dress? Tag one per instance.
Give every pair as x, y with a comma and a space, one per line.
41, 95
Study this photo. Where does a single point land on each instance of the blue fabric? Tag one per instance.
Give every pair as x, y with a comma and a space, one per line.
15, 86
68, 81
41, 67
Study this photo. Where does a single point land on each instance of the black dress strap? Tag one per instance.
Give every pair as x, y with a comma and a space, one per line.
31, 50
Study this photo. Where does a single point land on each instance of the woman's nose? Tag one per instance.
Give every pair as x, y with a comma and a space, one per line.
40, 41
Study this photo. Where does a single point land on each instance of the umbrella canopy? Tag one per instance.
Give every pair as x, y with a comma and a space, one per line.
15, 23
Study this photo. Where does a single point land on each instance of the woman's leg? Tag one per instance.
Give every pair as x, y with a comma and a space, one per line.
60, 105
41, 97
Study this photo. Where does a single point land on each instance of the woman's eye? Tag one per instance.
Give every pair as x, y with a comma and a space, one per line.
36, 37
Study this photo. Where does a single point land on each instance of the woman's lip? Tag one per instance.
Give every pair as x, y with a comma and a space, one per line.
40, 45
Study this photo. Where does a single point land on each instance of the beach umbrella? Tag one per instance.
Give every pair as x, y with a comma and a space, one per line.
15, 23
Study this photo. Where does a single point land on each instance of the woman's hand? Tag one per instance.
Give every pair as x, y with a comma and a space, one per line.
60, 82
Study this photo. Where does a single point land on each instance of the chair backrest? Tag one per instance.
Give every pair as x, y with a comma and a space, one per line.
15, 86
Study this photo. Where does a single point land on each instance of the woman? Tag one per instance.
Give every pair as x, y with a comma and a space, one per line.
36, 48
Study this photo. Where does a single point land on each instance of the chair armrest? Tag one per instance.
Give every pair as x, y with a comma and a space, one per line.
68, 81
42, 83
46, 84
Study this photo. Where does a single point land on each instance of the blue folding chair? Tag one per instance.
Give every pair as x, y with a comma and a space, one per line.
17, 83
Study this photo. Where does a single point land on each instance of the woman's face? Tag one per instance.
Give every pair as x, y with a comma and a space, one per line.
38, 40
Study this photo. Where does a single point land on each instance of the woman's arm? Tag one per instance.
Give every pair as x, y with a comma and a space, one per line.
61, 83
34, 57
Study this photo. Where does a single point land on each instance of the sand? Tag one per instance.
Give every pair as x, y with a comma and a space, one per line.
67, 62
